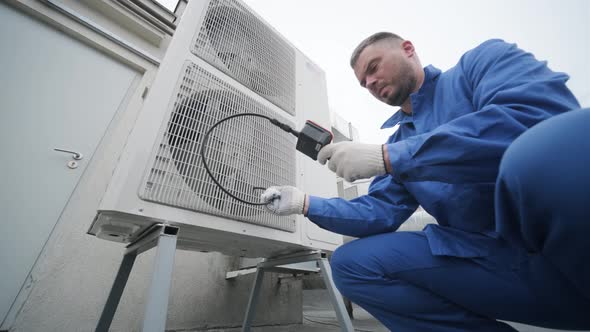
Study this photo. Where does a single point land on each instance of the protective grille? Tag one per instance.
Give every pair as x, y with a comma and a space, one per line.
243, 153
236, 42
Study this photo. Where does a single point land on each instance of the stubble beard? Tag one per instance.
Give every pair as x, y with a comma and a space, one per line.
405, 87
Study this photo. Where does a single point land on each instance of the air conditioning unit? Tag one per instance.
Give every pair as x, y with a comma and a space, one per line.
223, 60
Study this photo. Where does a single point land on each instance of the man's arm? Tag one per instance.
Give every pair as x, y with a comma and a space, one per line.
383, 210
512, 92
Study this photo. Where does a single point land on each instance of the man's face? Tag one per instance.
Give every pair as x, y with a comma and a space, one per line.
385, 69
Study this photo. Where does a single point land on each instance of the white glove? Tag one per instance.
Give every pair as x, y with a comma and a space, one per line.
283, 200
353, 161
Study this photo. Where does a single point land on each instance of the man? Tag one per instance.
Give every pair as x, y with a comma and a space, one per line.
510, 241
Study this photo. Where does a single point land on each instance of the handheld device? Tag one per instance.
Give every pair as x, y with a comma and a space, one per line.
312, 138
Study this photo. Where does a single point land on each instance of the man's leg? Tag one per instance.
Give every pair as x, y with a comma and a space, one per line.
543, 197
395, 277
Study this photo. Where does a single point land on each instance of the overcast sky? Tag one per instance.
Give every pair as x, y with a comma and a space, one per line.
328, 30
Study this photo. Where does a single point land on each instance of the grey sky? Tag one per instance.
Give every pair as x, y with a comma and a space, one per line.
328, 30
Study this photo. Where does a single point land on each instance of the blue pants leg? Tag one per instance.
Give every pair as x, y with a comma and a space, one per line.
395, 277
543, 195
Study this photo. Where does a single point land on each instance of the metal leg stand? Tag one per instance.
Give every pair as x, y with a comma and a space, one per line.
164, 238
253, 300
277, 264
110, 307
337, 301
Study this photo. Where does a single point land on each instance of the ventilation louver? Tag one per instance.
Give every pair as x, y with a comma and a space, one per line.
243, 153
236, 42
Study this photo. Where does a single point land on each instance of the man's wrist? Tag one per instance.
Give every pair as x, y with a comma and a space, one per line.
305, 205
386, 162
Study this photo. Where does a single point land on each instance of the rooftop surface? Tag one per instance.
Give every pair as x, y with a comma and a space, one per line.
319, 316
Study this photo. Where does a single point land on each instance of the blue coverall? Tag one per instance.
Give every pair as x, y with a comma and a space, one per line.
503, 247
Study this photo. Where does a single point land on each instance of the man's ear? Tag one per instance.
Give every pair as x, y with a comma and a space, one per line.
408, 48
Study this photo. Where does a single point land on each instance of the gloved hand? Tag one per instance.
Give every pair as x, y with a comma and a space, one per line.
283, 200
353, 161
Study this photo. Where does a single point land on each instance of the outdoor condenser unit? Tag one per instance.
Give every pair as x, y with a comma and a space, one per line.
223, 60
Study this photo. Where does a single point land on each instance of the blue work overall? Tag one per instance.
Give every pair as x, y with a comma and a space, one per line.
512, 208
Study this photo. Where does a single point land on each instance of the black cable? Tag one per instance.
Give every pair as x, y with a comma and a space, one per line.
276, 122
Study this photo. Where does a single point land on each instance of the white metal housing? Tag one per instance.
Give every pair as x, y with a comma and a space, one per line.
223, 60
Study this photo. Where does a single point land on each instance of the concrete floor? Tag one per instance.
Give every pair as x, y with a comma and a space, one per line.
319, 316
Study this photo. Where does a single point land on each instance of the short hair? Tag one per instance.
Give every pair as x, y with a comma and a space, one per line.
372, 39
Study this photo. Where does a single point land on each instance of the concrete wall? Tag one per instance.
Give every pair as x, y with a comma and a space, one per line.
70, 281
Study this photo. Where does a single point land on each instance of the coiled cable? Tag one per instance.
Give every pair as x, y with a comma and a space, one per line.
203, 151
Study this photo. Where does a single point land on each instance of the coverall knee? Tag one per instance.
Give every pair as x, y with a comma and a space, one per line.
543, 195
395, 277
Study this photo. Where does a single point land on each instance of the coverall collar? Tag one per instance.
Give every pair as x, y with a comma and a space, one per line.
430, 74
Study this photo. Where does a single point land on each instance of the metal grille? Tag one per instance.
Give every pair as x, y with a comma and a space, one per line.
243, 153
236, 42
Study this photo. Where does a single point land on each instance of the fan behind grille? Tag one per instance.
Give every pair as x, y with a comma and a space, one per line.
242, 153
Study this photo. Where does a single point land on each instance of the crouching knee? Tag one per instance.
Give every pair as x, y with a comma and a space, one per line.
356, 268
552, 154
344, 272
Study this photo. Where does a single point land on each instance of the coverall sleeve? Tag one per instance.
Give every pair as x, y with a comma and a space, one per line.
511, 91
387, 205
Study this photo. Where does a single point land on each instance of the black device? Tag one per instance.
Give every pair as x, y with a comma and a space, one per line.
312, 138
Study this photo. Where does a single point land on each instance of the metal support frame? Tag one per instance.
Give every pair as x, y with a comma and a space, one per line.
164, 238
277, 264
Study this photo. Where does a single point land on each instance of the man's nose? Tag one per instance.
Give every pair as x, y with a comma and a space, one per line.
371, 83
